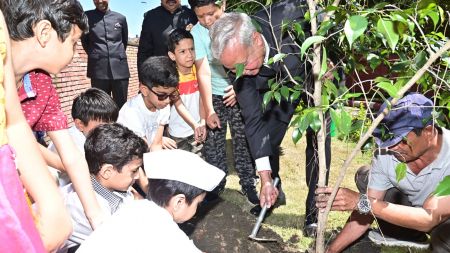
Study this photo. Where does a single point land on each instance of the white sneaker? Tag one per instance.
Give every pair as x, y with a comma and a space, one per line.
376, 237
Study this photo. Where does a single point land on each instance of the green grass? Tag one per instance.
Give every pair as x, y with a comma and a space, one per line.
287, 220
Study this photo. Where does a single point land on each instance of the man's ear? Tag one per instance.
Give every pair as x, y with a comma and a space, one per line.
257, 39
79, 124
106, 171
43, 32
171, 56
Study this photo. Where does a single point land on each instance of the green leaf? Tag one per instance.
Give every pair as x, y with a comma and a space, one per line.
324, 67
257, 25
285, 92
308, 42
324, 27
276, 58
239, 70
420, 59
346, 123
386, 28
299, 30
296, 135
374, 61
267, 97
325, 100
294, 96
268, 2
315, 123
336, 119
389, 88
354, 27
443, 188
400, 171
277, 96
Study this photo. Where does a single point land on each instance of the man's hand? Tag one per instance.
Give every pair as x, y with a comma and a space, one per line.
213, 120
268, 194
229, 99
346, 199
168, 143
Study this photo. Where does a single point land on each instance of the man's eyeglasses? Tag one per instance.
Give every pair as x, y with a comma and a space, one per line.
172, 96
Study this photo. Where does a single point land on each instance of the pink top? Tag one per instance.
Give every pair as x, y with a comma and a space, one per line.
40, 102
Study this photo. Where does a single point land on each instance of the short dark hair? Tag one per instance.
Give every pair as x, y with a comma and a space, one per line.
201, 3
161, 191
94, 104
159, 71
112, 144
22, 15
176, 36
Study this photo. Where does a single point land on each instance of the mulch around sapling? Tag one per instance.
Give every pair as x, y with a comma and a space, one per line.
224, 227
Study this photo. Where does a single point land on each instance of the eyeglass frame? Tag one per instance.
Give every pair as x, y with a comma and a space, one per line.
175, 95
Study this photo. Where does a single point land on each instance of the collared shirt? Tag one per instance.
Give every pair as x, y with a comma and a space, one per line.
40, 102
416, 187
139, 226
109, 203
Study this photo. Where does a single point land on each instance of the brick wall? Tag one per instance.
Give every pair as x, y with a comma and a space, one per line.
72, 80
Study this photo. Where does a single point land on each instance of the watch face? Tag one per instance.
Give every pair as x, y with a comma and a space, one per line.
364, 204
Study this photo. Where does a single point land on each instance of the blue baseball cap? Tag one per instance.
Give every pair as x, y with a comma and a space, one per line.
413, 111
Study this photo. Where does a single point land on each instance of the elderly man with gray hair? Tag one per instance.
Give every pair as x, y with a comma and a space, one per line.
235, 40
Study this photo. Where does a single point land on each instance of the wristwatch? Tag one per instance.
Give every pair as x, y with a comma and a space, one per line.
363, 204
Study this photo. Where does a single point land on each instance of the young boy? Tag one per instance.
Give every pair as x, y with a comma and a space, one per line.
114, 155
179, 181
148, 112
90, 109
43, 36
187, 136
220, 103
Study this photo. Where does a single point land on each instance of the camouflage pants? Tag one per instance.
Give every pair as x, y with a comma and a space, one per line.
214, 149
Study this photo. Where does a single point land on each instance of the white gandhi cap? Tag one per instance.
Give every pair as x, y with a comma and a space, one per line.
182, 166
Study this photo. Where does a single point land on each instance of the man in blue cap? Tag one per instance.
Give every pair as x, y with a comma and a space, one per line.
406, 209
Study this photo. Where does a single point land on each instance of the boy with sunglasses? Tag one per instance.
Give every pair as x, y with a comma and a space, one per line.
148, 112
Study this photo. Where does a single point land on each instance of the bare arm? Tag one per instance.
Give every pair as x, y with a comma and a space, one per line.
204, 81
157, 140
54, 223
52, 159
199, 129
433, 212
77, 168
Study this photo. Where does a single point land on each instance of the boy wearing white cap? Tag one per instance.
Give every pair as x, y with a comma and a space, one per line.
178, 183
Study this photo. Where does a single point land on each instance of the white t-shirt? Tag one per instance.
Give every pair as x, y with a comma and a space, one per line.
190, 95
143, 122
139, 226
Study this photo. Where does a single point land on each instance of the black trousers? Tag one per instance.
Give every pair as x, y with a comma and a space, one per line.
312, 169
117, 88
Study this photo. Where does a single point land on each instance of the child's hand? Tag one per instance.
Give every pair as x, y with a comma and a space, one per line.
168, 143
229, 99
200, 133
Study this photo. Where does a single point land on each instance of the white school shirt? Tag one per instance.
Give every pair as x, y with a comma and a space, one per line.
139, 226
139, 119
81, 226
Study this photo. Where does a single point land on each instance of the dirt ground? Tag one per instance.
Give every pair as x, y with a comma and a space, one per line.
224, 227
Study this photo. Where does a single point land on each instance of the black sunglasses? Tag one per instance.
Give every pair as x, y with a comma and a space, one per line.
172, 96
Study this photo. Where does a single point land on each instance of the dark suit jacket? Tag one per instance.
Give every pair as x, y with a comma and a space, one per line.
156, 27
263, 126
105, 45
